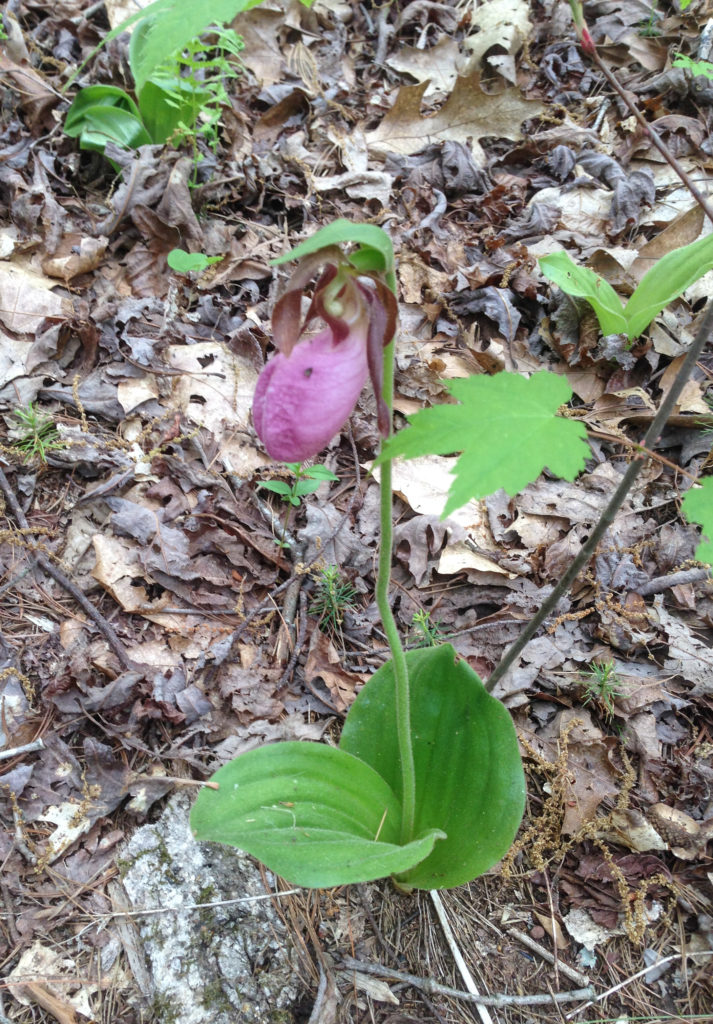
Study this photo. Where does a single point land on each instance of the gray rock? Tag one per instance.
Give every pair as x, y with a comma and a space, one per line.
215, 965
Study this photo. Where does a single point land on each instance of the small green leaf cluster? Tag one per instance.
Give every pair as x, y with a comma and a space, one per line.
181, 100
37, 434
425, 633
307, 479
333, 596
667, 280
696, 67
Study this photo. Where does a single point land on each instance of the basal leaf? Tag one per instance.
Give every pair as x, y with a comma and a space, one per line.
469, 777
507, 429
697, 505
668, 278
585, 284
314, 814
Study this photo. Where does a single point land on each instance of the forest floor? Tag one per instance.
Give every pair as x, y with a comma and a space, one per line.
141, 638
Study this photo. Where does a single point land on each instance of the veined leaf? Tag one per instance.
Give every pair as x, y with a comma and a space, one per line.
668, 278
315, 815
585, 284
376, 252
697, 505
469, 777
507, 428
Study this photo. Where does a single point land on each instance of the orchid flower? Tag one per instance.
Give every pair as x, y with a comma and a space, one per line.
307, 391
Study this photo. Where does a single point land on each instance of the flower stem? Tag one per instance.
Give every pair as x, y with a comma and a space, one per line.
401, 681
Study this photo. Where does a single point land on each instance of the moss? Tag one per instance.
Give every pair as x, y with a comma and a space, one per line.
214, 998
165, 1009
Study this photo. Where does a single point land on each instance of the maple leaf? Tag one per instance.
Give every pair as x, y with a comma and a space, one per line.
697, 505
507, 428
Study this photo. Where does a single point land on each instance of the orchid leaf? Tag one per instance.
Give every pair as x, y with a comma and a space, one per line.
314, 814
375, 253
469, 778
667, 280
585, 284
697, 506
507, 428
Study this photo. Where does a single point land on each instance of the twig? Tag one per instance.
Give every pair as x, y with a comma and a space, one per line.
59, 577
675, 579
457, 955
432, 987
617, 499
569, 972
639, 974
26, 748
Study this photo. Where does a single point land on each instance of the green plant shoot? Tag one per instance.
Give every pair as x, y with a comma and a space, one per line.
667, 280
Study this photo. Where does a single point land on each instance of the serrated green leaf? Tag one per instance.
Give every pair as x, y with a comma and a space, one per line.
376, 252
507, 429
697, 506
314, 814
469, 777
585, 284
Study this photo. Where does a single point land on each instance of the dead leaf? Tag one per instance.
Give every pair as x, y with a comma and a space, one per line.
467, 115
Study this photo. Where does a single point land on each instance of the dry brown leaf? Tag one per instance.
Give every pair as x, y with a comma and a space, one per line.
467, 115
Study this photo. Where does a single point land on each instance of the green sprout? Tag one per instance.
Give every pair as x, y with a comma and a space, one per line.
334, 595
37, 434
424, 632
306, 481
602, 687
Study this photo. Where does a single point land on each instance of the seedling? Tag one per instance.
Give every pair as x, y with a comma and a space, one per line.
424, 632
667, 280
602, 687
190, 262
306, 481
38, 434
334, 595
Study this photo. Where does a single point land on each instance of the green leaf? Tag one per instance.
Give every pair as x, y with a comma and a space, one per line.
167, 25
303, 487
507, 428
309, 812
276, 486
320, 473
111, 124
668, 278
376, 252
585, 284
189, 262
96, 96
469, 777
166, 103
697, 505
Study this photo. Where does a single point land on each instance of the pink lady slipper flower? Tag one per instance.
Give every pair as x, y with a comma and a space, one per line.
307, 391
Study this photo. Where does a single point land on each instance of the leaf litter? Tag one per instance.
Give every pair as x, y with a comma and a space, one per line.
506, 149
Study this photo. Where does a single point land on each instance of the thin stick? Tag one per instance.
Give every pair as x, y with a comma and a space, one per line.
639, 974
616, 501
432, 987
26, 748
457, 955
59, 577
569, 972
